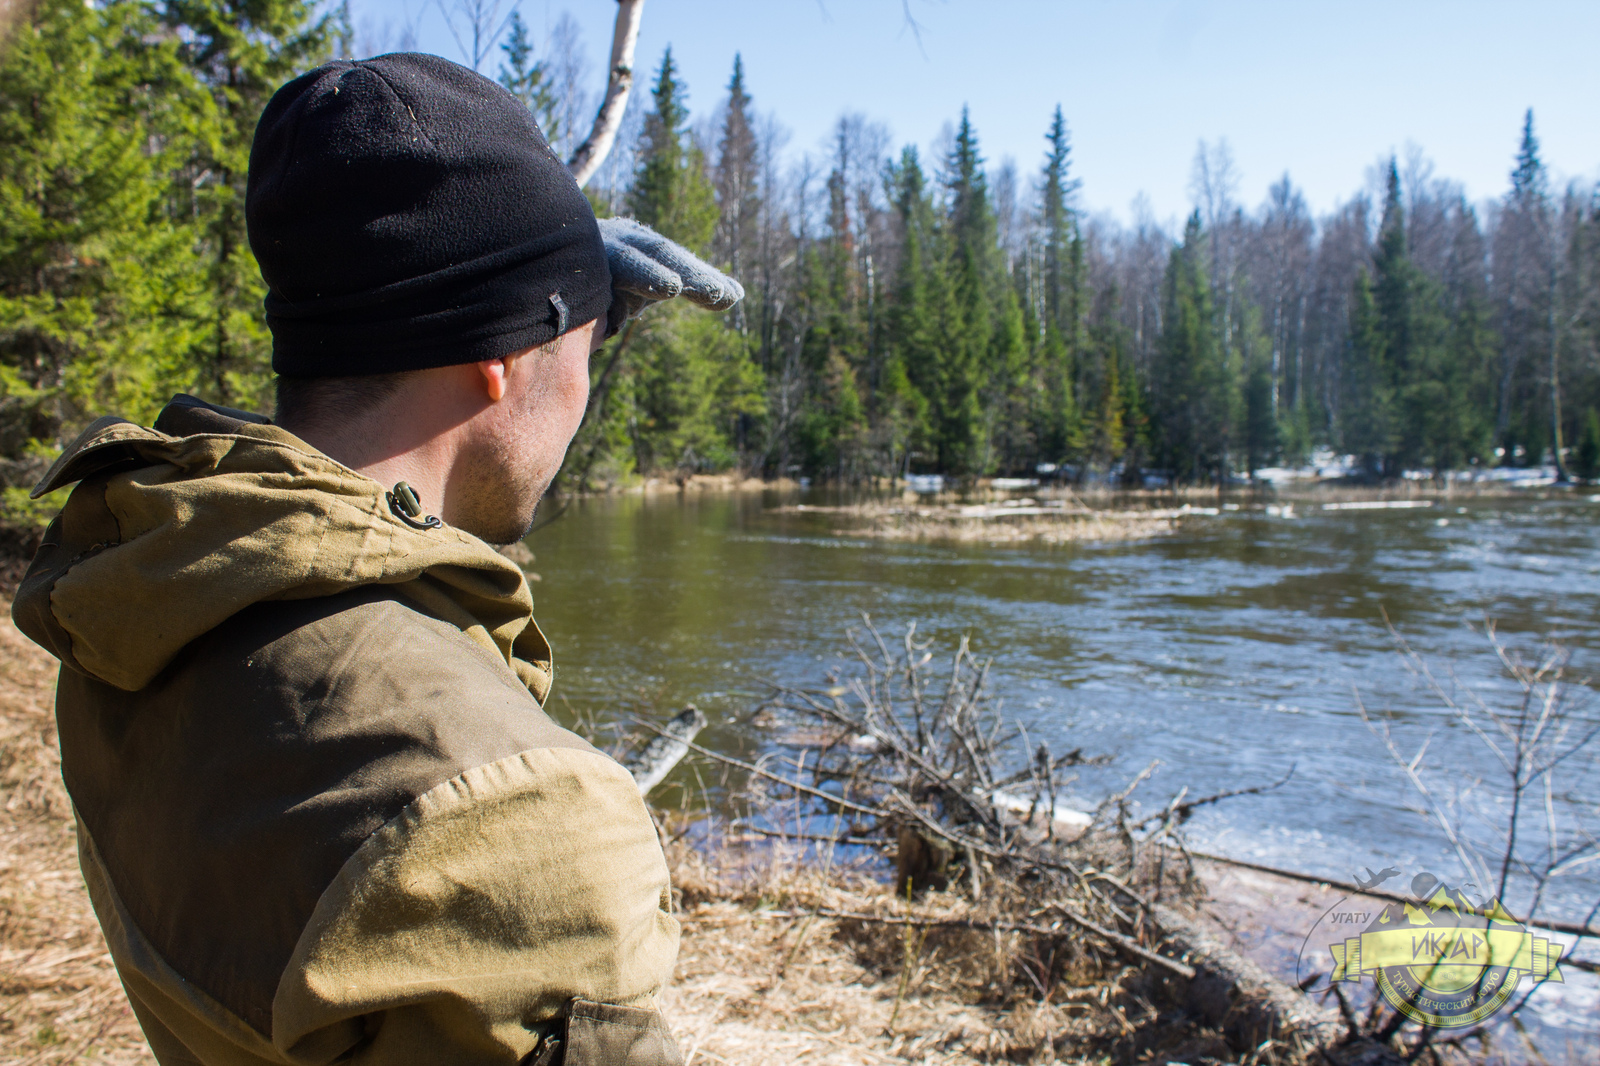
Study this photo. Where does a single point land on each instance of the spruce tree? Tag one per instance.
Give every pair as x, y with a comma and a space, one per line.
1586, 459
1060, 227
671, 192
1524, 275
973, 261
737, 182
102, 298
688, 390
1195, 389
241, 51
1394, 297
916, 331
1060, 425
1107, 427
1413, 369
1261, 441
1366, 414
525, 78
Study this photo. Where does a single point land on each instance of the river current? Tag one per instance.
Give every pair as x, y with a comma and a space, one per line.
1230, 651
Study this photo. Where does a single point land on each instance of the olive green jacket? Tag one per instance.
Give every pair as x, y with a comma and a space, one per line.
321, 813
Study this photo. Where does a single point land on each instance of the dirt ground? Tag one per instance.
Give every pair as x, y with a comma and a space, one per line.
60, 1000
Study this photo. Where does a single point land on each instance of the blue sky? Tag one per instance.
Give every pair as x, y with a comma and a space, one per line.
1320, 90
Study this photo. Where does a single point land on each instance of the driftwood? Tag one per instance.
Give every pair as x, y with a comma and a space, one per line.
588, 157
651, 765
1237, 996
1570, 928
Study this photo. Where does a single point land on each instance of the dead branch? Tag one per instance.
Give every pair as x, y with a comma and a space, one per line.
751, 768
1181, 811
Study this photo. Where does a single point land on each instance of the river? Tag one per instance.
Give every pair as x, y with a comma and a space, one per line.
1231, 651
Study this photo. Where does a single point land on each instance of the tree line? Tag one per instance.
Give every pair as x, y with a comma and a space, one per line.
907, 311
932, 314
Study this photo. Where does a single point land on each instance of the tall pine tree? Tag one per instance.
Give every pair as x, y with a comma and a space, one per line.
1194, 386
242, 51
1060, 430
671, 192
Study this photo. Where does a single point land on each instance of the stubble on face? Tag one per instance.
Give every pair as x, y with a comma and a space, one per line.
507, 469
499, 494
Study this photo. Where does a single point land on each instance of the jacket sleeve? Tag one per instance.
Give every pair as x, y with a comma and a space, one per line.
464, 930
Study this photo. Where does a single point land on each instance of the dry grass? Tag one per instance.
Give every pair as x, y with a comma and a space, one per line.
60, 1000
760, 981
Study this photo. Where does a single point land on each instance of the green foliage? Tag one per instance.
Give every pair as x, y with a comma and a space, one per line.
125, 273
240, 51
1195, 385
895, 322
918, 319
524, 77
671, 192
1294, 434
695, 392
1367, 416
1261, 433
678, 392
100, 297
968, 345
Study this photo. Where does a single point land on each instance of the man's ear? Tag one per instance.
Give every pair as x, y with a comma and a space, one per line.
495, 374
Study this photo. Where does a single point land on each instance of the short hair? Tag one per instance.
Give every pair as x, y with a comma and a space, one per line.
306, 401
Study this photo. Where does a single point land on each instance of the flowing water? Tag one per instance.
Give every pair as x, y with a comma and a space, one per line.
1231, 651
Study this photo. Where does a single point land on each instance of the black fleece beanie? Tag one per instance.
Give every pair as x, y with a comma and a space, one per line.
407, 213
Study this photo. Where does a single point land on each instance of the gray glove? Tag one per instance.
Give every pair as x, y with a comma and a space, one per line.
647, 268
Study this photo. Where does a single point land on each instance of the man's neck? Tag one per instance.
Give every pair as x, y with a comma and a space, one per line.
377, 452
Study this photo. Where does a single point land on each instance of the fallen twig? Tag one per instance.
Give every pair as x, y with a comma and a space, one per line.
750, 768
1181, 811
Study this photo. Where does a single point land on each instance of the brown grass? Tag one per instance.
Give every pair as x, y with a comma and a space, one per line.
759, 981
60, 1000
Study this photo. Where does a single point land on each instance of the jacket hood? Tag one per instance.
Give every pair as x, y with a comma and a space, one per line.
173, 530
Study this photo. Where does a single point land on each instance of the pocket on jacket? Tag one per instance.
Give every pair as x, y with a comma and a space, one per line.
602, 1034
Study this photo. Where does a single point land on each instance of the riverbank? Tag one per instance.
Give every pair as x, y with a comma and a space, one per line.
1011, 511
761, 978
787, 955
1024, 520
1312, 489
1063, 516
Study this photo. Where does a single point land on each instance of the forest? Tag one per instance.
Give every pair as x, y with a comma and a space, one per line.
909, 310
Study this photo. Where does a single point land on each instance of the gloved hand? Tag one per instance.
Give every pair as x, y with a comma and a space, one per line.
647, 268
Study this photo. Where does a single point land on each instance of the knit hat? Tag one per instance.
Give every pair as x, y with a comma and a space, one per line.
407, 213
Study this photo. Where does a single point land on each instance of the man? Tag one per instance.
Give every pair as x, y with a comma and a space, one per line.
321, 813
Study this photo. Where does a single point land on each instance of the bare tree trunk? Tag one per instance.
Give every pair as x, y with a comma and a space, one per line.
1555, 382
593, 151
